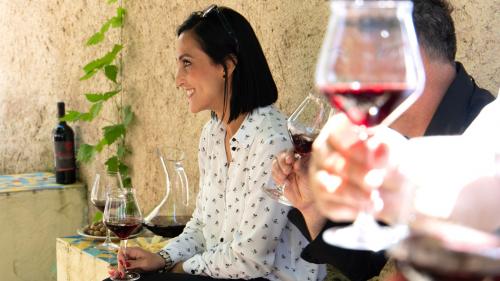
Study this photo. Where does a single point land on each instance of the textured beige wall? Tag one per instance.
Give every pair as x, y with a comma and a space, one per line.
41, 55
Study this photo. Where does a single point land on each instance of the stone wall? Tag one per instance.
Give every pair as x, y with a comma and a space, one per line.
42, 52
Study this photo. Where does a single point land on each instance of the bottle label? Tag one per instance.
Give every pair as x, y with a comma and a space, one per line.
65, 156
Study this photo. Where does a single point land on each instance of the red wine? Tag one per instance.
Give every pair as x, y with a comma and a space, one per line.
64, 150
367, 106
122, 229
166, 226
99, 204
302, 143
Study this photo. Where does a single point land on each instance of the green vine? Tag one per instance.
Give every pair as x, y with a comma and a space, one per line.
115, 133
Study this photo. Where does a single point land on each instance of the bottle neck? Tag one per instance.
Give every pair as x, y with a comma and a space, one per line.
60, 109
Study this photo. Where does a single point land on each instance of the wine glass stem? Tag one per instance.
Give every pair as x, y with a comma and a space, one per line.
107, 241
365, 222
123, 245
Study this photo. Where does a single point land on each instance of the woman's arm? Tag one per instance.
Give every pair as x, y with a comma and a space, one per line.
251, 253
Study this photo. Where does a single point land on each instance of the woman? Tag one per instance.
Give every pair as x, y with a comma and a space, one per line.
236, 231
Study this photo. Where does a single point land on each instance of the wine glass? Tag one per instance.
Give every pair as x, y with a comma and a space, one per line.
303, 126
370, 68
122, 216
98, 199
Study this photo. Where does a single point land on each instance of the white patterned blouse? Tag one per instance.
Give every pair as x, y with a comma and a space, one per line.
236, 230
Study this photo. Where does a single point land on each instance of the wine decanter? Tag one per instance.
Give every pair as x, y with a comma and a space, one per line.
170, 216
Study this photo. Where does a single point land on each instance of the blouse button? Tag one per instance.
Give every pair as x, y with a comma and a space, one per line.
234, 139
233, 148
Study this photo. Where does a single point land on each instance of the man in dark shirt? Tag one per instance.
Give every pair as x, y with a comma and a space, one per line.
449, 103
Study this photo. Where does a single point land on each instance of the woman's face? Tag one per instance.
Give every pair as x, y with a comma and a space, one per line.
199, 76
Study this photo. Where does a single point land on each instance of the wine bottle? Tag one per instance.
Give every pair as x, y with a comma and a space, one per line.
64, 150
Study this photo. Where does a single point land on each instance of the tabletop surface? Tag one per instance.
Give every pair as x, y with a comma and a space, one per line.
88, 246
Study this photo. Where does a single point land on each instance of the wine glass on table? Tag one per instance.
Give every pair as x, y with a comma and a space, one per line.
98, 199
369, 68
122, 216
303, 126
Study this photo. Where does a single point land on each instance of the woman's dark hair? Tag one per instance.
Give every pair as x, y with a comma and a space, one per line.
223, 33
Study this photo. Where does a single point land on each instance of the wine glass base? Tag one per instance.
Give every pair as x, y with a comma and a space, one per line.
129, 276
355, 238
111, 247
277, 195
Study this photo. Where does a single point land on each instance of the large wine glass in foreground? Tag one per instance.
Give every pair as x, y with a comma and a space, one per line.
122, 216
369, 68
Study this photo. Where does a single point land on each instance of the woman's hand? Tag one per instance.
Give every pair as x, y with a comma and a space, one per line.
136, 259
292, 172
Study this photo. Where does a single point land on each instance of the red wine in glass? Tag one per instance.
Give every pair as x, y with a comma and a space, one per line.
367, 105
302, 143
167, 226
122, 229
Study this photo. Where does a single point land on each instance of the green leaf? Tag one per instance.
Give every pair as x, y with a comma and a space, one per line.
101, 144
97, 38
105, 27
121, 12
112, 164
93, 65
112, 133
122, 168
127, 182
88, 75
97, 217
110, 71
97, 97
112, 1
120, 151
110, 57
93, 112
101, 62
71, 116
128, 115
117, 21
85, 153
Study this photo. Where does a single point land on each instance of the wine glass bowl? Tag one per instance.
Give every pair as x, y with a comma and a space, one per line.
370, 68
303, 126
122, 216
370, 61
98, 199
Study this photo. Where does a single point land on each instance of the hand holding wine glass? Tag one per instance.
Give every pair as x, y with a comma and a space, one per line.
122, 216
303, 126
370, 68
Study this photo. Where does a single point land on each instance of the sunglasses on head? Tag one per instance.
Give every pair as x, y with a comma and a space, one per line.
213, 9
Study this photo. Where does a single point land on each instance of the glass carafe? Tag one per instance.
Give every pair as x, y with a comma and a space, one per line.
170, 216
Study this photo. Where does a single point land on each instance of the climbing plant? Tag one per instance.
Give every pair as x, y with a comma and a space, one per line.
115, 131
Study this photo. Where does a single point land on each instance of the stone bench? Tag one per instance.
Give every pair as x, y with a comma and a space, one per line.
34, 211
